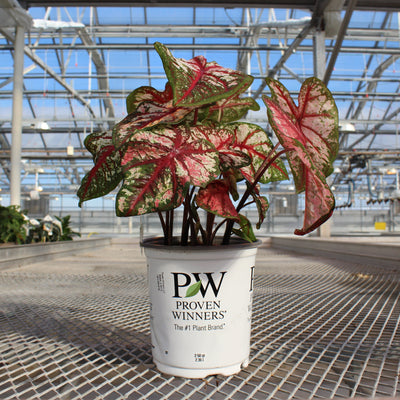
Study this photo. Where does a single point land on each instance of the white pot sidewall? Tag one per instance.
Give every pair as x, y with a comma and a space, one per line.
210, 330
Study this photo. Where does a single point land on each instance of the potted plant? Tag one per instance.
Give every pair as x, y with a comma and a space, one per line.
12, 223
184, 148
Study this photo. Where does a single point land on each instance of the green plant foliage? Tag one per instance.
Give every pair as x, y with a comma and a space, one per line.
12, 225
67, 232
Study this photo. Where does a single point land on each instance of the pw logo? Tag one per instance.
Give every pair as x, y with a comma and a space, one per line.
187, 285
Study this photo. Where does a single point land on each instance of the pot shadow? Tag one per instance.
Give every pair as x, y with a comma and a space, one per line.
63, 330
101, 338
52, 351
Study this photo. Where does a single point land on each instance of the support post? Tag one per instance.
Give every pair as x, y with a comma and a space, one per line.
319, 71
319, 54
16, 130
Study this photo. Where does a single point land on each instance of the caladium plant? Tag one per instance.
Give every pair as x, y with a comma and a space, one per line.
184, 147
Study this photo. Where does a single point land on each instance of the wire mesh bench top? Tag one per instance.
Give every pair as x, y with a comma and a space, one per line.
77, 328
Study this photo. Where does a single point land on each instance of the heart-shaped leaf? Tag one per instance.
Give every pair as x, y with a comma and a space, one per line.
224, 141
309, 133
215, 199
262, 207
197, 82
314, 124
148, 94
106, 174
158, 167
320, 202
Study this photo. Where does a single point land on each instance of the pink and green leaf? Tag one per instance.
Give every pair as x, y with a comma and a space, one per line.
159, 165
262, 207
223, 139
254, 141
320, 203
150, 107
230, 109
314, 123
231, 178
148, 94
215, 199
106, 173
197, 82
309, 133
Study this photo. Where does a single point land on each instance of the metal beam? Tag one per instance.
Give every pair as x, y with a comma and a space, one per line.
339, 40
37, 60
372, 5
288, 52
101, 70
362, 49
374, 82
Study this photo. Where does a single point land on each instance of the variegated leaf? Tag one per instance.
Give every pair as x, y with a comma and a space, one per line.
314, 123
230, 156
253, 141
106, 173
262, 207
309, 133
159, 165
231, 109
320, 202
231, 178
319, 198
197, 82
149, 108
145, 94
215, 199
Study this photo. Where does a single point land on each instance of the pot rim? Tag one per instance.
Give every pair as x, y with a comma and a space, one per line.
157, 242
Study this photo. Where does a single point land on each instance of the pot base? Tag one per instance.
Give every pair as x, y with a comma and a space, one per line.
198, 373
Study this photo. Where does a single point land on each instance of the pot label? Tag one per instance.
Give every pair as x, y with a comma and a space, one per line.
183, 281
198, 311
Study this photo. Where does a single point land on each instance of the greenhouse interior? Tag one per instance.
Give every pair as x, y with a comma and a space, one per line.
326, 314
81, 62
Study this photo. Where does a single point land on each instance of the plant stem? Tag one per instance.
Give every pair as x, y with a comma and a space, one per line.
196, 227
186, 219
170, 214
196, 112
209, 228
260, 172
163, 225
217, 228
167, 223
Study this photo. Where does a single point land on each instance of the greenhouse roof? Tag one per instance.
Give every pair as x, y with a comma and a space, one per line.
82, 61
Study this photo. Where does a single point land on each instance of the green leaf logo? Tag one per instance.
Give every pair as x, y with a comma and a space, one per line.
193, 289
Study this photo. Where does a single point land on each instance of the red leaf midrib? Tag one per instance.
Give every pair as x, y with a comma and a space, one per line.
199, 75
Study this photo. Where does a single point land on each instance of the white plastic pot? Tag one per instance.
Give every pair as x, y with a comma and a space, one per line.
207, 333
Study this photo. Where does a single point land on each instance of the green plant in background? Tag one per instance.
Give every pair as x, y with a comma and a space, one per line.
50, 229
12, 223
67, 233
16, 227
